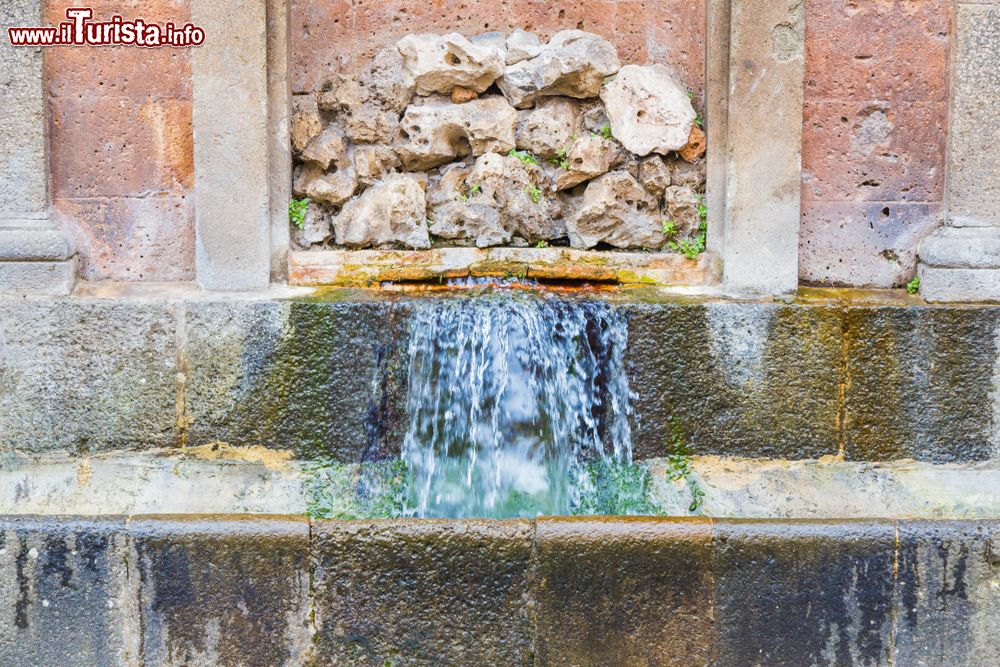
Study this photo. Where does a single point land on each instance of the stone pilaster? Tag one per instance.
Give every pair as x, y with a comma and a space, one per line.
755, 89
230, 116
961, 260
35, 256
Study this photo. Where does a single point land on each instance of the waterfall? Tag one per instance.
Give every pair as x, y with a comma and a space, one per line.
509, 394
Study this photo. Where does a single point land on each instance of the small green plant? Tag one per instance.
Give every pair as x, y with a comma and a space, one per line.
524, 156
679, 466
605, 131
297, 212
692, 247
669, 229
473, 191
542, 244
561, 160
534, 193
697, 120
913, 286
615, 488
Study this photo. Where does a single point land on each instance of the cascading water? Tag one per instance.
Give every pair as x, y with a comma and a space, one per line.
508, 395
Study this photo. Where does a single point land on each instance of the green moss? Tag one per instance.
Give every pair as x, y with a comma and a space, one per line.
616, 489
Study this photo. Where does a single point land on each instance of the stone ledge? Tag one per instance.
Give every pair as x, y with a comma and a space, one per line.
948, 285
366, 267
962, 247
44, 278
595, 591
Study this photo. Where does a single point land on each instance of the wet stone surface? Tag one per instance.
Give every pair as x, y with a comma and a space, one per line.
922, 383
624, 592
803, 593
62, 600
427, 593
739, 379
223, 591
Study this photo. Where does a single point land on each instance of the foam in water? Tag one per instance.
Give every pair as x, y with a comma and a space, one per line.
508, 395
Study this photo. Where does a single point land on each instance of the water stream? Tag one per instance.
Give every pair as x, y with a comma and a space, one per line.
510, 395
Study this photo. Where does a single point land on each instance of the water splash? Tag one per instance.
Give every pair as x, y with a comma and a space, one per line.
508, 395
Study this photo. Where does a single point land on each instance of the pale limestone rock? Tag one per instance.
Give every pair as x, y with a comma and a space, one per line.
654, 175
315, 227
305, 123
550, 128
574, 63
333, 189
648, 110
589, 157
372, 162
329, 147
455, 212
618, 211
520, 193
439, 63
680, 206
685, 173
438, 132
368, 105
521, 45
391, 211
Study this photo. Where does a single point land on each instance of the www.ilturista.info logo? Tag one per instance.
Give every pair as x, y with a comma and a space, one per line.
79, 30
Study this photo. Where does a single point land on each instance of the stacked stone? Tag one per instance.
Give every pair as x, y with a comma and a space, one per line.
498, 140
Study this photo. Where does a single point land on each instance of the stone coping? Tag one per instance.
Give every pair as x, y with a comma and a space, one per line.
255, 480
366, 267
274, 590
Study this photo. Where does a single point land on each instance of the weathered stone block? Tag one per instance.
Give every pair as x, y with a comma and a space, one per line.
65, 597
87, 374
152, 238
973, 169
229, 74
222, 590
738, 379
947, 285
863, 244
946, 597
322, 378
424, 593
803, 593
624, 592
920, 383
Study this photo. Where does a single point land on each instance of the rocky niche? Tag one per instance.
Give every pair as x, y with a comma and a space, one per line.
499, 140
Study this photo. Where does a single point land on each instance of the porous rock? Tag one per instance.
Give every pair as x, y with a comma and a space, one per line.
648, 110
306, 123
680, 205
519, 191
455, 214
437, 132
654, 175
372, 162
550, 128
438, 63
618, 211
329, 188
315, 227
329, 147
574, 63
521, 45
589, 157
391, 211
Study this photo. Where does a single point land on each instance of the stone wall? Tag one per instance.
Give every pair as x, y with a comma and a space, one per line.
121, 148
237, 590
874, 135
869, 381
121, 133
